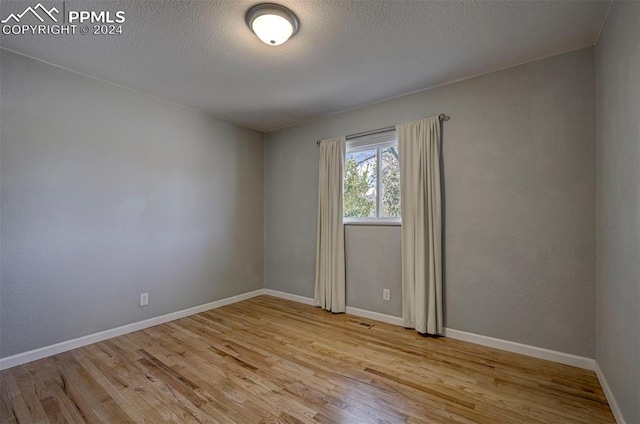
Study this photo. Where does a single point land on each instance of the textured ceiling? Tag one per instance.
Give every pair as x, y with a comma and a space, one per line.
346, 53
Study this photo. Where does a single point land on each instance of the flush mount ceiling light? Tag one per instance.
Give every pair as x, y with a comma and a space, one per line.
272, 23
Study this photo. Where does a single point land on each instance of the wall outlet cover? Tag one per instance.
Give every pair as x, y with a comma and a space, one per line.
386, 294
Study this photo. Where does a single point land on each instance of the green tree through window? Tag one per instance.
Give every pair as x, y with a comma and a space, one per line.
363, 196
390, 183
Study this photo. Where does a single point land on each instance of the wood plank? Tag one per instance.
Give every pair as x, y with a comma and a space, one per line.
268, 360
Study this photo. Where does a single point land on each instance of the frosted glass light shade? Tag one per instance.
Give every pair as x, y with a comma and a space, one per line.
272, 23
272, 29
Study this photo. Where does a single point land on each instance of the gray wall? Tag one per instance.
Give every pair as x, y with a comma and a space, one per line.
618, 135
107, 193
380, 268
520, 202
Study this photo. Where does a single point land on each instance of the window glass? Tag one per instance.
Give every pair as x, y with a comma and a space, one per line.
372, 177
390, 178
360, 183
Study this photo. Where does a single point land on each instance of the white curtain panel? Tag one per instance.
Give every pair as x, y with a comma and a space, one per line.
330, 269
420, 193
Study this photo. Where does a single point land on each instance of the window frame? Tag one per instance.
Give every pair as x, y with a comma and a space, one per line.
378, 141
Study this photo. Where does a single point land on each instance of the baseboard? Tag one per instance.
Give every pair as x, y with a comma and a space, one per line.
389, 319
523, 349
288, 296
615, 408
536, 352
43, 352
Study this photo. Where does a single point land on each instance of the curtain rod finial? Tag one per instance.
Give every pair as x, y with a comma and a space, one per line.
443, 117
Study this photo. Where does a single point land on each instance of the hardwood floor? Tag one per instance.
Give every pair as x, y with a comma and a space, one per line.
267, 360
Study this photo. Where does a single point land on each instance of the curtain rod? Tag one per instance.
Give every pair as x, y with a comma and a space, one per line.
442, 117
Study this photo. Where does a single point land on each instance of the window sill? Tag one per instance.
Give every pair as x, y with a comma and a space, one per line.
394, 222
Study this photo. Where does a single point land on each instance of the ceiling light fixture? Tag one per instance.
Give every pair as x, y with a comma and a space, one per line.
272, 23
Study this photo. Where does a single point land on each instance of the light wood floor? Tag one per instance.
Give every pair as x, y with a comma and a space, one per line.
267, 360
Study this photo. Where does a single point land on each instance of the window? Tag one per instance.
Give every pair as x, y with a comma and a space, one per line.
372, 178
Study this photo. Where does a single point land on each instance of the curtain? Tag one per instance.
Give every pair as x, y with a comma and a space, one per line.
420, 193
330, 291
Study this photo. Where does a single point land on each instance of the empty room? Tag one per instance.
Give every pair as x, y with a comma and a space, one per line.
320, 211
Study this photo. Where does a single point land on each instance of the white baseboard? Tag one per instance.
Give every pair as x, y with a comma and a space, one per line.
33, 355
536, 352
43, 352
523, 349
288, 296
389, 319
615, 408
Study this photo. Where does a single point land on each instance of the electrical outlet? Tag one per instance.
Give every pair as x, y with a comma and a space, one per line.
144, 299
386, 294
